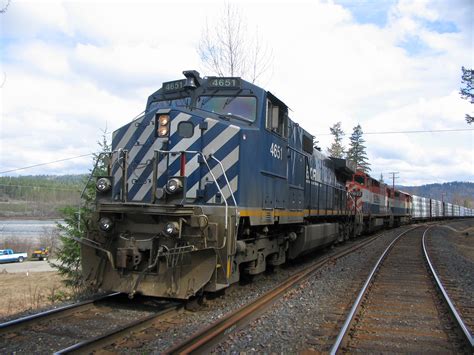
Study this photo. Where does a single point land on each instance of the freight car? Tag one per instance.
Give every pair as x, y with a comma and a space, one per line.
214, 180
429, 209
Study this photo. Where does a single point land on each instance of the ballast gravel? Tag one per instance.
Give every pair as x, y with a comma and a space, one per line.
56, 334
452, 255
298, 321
309, 317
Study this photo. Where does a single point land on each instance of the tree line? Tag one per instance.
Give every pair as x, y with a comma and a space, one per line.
38, 196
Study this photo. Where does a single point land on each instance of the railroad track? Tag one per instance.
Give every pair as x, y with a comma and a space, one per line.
82, 327
206, 339
462, 302
400, 307
56, 313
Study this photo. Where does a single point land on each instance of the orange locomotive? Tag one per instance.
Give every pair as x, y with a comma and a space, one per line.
377, 205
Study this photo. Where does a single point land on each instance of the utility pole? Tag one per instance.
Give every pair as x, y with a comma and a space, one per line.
394, 176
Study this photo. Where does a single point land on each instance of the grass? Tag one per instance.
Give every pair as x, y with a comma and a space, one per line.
23, 292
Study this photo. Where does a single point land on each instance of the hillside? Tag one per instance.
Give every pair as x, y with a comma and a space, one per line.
459, 193
38, 196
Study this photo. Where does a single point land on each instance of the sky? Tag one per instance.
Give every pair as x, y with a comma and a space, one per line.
71, 69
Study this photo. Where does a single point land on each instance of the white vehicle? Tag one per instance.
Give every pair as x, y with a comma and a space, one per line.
8, 256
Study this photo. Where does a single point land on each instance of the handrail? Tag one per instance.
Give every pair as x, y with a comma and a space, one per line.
85, 187
228, 186
213, 178
92, 172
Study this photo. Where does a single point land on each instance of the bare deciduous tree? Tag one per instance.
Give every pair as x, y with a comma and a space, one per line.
336, 150
226, 49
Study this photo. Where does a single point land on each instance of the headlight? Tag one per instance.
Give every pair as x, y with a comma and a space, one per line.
106, 224
173, 185
163, 125
162, 131
103, 185
172, 229
164, 119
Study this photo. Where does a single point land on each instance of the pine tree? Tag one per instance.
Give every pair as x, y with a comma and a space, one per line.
316, 144
336, 150
467, 90
76, 225
356, 152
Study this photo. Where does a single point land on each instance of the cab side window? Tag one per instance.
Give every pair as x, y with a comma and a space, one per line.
359, 179
277, 119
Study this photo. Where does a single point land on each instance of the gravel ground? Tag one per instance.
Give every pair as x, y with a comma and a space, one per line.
270, 332
453, 257
26, 266
56, 334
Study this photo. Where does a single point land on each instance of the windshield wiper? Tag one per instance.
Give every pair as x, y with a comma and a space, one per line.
231, 115
206, 100
231, 98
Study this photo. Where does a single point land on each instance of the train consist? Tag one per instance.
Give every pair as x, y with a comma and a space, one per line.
215, 180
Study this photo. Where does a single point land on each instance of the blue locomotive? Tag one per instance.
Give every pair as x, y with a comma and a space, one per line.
214, 180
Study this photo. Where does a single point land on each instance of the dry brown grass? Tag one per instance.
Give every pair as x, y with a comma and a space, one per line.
22, 292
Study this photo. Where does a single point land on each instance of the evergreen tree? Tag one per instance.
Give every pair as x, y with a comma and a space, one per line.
356, 152
76, 224
336, 150
316, 144
467, 90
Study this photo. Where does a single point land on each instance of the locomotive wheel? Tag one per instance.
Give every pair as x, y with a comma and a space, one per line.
195, 303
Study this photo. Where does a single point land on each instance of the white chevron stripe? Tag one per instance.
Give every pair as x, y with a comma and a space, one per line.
124, 140
118, 173
130, 130
221, 139
191, 166
183, 144
149, 155
227, 162
149, 130
234, 183
225, 190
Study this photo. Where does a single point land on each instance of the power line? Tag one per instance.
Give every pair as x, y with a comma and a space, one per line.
412, 132
41, 164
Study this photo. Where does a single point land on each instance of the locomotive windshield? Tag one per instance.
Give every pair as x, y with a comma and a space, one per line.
243, 107
181, 102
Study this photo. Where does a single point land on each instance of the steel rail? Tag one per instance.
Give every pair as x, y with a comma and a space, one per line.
22, 322
96, 343
446, 297
206, 338
362, 292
